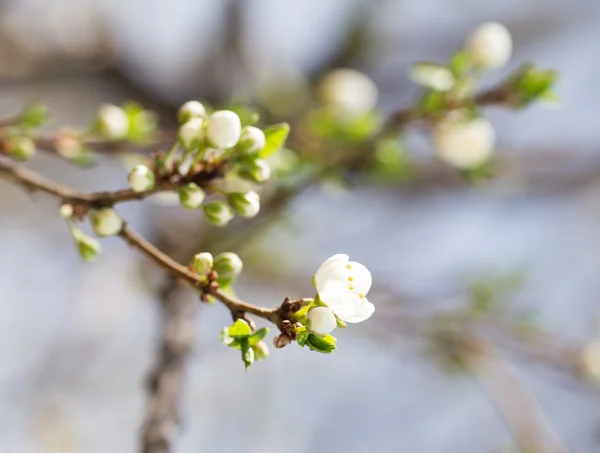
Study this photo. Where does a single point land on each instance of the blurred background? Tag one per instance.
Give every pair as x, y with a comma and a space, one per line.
76, 341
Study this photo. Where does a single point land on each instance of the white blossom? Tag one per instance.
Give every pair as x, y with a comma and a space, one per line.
189, 110
113, 122
490, 46
464, 143
252, 139
321, 320
106, 222
348, 90
224, 129
141, 178
343, 285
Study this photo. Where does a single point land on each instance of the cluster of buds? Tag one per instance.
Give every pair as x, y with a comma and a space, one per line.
223, 269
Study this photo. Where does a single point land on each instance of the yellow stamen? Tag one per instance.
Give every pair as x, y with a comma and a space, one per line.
350, 279
348, 267
350, 287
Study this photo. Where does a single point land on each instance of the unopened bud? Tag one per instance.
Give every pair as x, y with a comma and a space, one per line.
252, 139
218, 213
89, 248
113, 122
203, 263
66, 211
191, 134
257, 170
464, 143
261, 351
349, 91
189, 110
20, 148
106, 222
246, 204
141, 178
224, 129
490, 46
321, 320
281, 341
228, 265
191, 196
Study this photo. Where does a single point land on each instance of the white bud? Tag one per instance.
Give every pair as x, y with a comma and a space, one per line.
191, 196
66, 211
189, 110
191, 134
20, 148
464, 143
349, 90
106, 222
252, 139
224, 129
321, 320
246, 204
490, 46
228, 265
112, 122
141, 178
89, 248
218, 213
203, 263
257, 170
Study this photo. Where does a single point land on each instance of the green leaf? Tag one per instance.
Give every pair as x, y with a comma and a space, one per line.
433, 102
33, 116
275, 136
239, 329
432, 75
460, 64
142, 123
325, 344
532, 84
247, 353
302, 336
258, 335
390, 162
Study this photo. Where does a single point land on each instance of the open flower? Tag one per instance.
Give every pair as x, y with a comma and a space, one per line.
343, 285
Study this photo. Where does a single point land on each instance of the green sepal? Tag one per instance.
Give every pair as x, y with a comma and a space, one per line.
325, 344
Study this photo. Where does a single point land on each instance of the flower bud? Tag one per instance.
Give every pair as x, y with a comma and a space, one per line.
106, 222
281, 341
89, 248
66, 211
246, 204
349, 91
189, 110
141, 178
321, 320
20, 148
490, 46
224, 129
218, 213
113, 122
228, 265
252, 139
257, 170
203, 263
191, 134
464, 143
191, 196
261, 351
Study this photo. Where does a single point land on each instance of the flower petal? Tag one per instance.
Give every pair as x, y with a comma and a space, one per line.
361, 277
351, 308
332, 270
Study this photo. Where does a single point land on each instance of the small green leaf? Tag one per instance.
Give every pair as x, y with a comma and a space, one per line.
247, 353
302, 336
258, 335
460, 64
275, 138
325, 344
239, 329
33, 116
